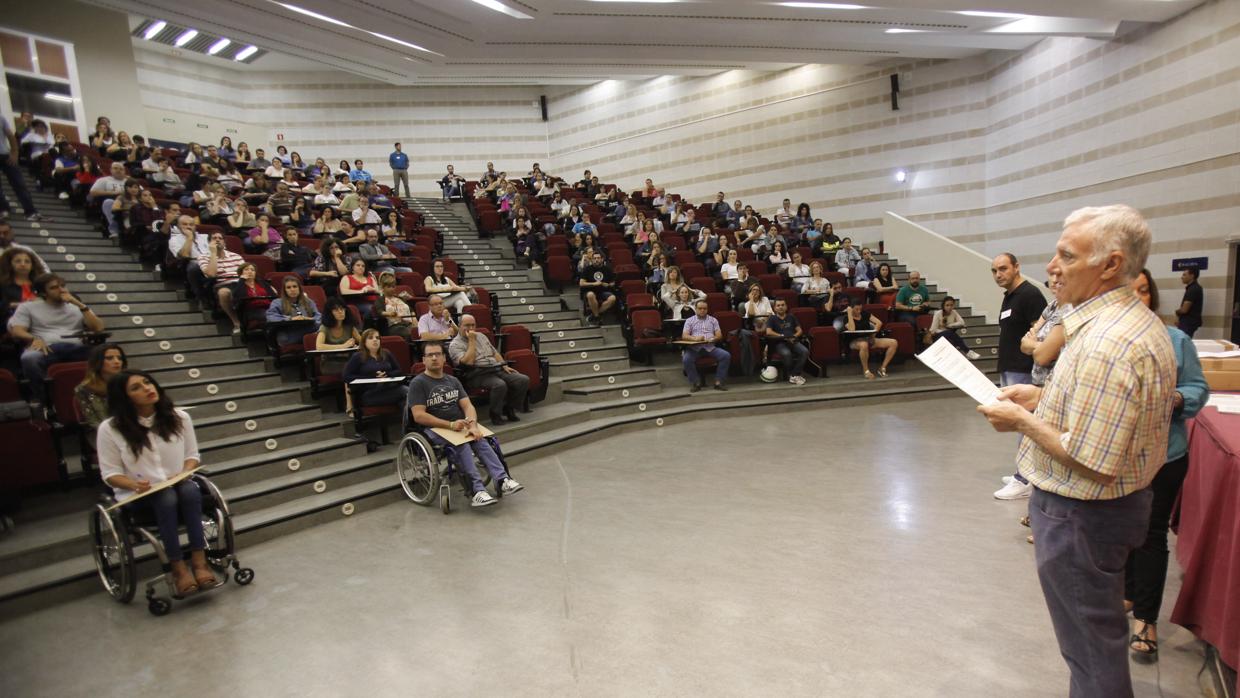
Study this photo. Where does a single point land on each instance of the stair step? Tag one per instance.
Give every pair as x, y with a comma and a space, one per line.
215, 369
281, 489
606, 377
271, 417
255, 466
140, 344
248, 442
218, 404
580, 367
618, 390
149, 356
125, 331
189, 388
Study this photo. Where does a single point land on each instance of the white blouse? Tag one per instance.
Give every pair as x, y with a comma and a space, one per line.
163, 459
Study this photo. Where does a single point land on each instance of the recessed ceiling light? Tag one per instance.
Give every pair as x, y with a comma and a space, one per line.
185, 38
311, 13
153, 30
823, 5
898, 30
664, 2
57, 97
501, 7
246, 53
218, 46
987, 13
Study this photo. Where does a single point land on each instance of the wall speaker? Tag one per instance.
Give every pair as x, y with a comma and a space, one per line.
895, 92
542, 103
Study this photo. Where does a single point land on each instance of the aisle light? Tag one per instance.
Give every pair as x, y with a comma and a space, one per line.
154, 30
218, 46
185, 38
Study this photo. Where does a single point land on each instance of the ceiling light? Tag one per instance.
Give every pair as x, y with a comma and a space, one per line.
645, 1
218, 46
246, 53
310, 13
823, 5
153, 30
986, 13
185, 38
501, 7
901, 175
57, 97
394, 40
898, 30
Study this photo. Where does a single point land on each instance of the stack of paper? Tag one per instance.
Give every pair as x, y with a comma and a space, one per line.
1227, 403
947, 361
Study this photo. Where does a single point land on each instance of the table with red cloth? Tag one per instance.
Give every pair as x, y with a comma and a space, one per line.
1208, 542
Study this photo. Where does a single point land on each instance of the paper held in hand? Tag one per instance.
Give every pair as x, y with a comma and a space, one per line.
947, 361
456, 438
157, 487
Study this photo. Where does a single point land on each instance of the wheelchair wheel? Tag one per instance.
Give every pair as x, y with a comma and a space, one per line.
158, 606
417, 467
445, 498
113, 554
244, 576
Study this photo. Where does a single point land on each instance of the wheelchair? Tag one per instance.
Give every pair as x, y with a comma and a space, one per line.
116, 533
426, 474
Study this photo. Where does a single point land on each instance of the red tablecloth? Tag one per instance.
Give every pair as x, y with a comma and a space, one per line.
1208, 543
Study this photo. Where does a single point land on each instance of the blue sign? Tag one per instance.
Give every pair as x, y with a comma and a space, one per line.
1199, 263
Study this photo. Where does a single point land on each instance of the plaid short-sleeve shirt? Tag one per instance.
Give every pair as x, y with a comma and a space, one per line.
1110, 397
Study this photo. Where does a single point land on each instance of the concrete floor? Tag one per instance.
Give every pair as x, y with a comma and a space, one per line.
745, 556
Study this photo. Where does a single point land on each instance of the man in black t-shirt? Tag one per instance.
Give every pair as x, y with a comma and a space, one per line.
436, 399
1189, 313
783, 335
597, 282
1023, 304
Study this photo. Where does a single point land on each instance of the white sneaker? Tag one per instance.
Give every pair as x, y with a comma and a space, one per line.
482, 498
1015, 490
796, 380
972, 355
510, 486
1009, 479
63, 195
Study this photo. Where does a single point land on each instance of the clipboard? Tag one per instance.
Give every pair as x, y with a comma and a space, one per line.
457, 438
390, 379
692, 342
184, 474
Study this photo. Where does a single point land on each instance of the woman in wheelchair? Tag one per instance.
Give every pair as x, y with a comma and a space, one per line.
146, 441
439, 400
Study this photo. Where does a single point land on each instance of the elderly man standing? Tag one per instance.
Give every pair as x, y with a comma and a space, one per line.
488, 369
1092, 440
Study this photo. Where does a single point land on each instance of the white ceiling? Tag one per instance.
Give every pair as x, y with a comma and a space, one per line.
582, 41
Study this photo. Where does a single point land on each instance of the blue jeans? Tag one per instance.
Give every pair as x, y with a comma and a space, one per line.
463, 458
181, 503
1081, 550
791, 354
1007, 378
14, 175
35, 363
689, 360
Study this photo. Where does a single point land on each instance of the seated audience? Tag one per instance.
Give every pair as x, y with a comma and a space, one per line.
847, 257
756, 309
912, 300
294, 257
265, 239
395, 307
798, 272
684, 304
359, 286
90, 397
779, 257
364, 216
327, 223
883, 287
783, 339
251, 296
452, 185
359, 173
373, 361
293, 304
455, 296
330, 265
188, 245
145, 442
836, 305
703, 327
51, 327
857, 319
377, 255
439, 400
947, 323
337, 331
19, 267
828, 244
743, 285
220, 269
487, 369
436, 324
672, 281
729, 270
866, 269
598, 283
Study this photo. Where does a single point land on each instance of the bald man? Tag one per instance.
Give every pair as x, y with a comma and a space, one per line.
488, 369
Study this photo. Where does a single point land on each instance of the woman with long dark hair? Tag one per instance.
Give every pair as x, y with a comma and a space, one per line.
1145, 576
373, 361
145, 442
883, 287
91, 395
293, 304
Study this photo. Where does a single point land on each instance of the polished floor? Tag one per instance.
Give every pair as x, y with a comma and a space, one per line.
831, 552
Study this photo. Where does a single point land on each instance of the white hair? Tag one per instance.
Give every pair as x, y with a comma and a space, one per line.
1115, 228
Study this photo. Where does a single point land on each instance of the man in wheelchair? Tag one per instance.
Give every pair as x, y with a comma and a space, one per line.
439, 400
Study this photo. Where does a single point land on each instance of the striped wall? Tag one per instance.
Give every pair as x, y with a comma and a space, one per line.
336, 116
998, 148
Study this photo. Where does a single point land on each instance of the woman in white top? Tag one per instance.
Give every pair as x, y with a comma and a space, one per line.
727, 272
630, 220
672, 281
454, 295
816, 287
798, 272
779, 257
145, 442
947, 323
275, 170
757, 308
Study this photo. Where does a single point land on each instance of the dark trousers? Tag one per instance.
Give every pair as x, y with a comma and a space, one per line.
14, 175
908, 316
35, 363
1188, 326
1146, 574
181, 503
377, 395
791, 354
722, 359
507, 389
1081, 548
951, 336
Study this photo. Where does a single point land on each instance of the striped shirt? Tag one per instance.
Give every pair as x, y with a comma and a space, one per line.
1110, 397
226, 266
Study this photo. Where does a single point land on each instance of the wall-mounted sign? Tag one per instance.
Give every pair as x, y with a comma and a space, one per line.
1199, 263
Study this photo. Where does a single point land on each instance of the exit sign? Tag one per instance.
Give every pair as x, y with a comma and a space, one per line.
1198, 263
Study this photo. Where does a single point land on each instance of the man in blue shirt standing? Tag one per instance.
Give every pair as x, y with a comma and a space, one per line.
399, 162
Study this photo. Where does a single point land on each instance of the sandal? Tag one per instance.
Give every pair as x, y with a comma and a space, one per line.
1150, 652
1024, 521
882, 373
869, 376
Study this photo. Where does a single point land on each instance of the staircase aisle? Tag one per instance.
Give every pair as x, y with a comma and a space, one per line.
282, 462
